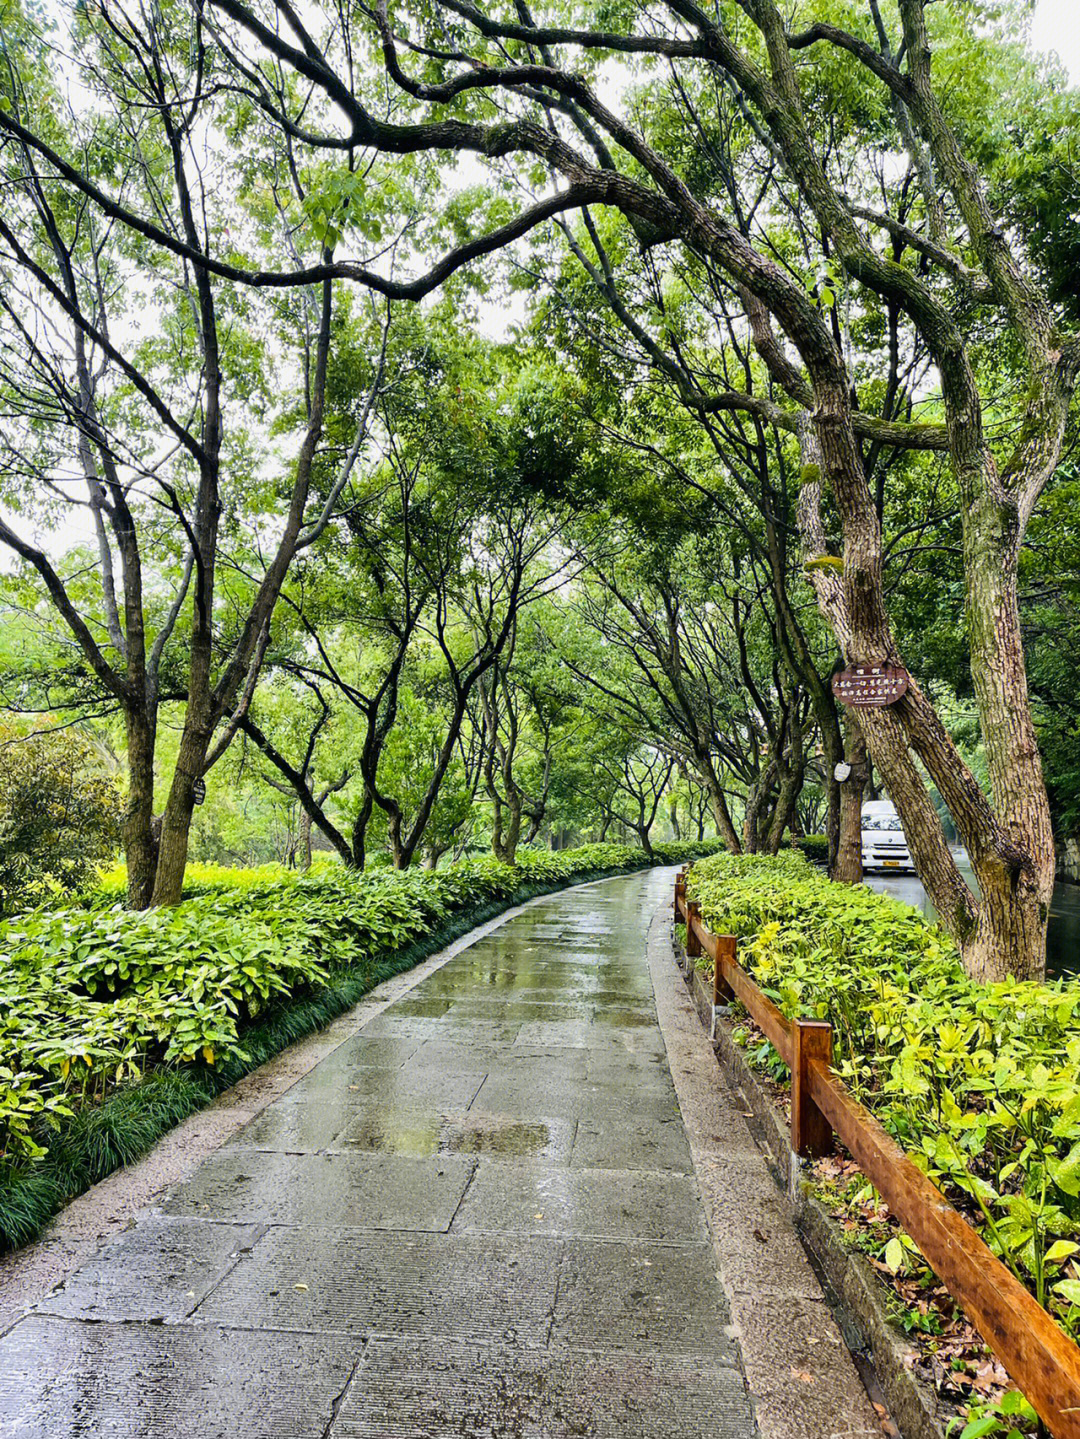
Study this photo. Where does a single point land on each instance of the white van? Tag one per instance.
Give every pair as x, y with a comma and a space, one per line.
883, 842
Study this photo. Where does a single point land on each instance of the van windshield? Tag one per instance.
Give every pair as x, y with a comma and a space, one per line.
882, 821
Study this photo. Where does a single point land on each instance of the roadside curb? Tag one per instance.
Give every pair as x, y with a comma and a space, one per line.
852, 1288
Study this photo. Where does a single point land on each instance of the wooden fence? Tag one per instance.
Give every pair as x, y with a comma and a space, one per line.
1039, 1358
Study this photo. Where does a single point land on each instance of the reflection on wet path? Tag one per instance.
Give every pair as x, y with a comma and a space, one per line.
477, 1217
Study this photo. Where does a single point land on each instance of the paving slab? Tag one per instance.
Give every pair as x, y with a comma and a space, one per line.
589, 1203
472, 1031
518, 1011
63, 1380
355, 1191
473, 1132
488, 1288
407, 1390
156, 1271
556, 1033
649, 1298
546, 1092
365, 1049
346, 1088
620, 1142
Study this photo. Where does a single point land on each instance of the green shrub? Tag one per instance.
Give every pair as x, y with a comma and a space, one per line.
815, 847
59, 816
980, 1083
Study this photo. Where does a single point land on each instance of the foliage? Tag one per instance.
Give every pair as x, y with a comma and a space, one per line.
59, 816
815, 847
979, 1082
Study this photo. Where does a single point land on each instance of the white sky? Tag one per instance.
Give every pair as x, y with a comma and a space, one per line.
1054, 27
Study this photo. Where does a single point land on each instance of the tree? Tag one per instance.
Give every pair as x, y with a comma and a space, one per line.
946, 294
415, 593
521, 723
687, 659
152, 440
60, 811
868, 152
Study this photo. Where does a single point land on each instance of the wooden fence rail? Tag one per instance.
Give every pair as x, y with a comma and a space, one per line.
1039, 1358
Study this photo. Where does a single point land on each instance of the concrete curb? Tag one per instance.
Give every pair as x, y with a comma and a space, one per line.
799, 1370
854, 1290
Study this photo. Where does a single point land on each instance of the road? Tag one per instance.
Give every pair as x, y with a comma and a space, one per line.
1063, 939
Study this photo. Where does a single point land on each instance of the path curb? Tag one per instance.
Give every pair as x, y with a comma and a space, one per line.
853, 1289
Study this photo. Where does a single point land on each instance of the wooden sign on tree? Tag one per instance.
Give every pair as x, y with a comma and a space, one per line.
870, 686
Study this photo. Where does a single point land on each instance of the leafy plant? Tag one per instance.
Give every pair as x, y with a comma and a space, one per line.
979, 1082
95, 999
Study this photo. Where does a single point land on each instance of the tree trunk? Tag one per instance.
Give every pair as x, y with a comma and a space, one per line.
1016, 889
359, 831
505, 837
790, 787
847, 866
140, 840
176, 828
832, 748
304, 840
756, 799
725, 826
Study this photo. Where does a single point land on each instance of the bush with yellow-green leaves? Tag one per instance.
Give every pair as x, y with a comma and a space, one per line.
980, 1083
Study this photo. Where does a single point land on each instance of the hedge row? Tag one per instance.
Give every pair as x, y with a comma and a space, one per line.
115, 1025
980, 1083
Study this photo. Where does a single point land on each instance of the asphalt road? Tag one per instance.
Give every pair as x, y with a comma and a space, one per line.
1063, 939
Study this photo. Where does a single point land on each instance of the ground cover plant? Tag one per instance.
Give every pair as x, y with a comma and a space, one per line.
114, 1026
980, 1083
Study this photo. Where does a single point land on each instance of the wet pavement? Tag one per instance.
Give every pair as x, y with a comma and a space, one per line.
478, 1216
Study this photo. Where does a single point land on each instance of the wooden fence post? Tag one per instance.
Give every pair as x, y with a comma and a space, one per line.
693, 942
811, 1132
722, 992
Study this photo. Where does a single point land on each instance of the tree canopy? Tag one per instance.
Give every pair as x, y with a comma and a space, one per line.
435, 426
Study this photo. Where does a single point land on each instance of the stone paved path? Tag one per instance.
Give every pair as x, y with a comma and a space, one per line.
477, 1217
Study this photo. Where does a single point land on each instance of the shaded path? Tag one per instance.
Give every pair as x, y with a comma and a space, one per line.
477, 1217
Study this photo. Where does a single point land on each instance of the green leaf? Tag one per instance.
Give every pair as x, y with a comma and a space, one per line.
978, 1427
894, 1255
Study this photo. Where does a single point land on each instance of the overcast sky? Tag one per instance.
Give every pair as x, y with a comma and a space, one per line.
1055, 28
